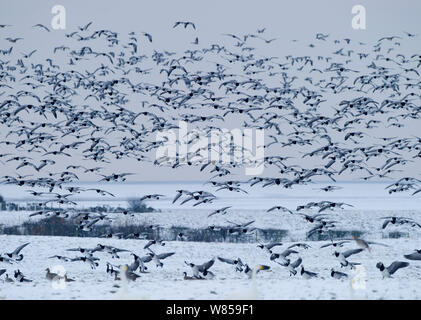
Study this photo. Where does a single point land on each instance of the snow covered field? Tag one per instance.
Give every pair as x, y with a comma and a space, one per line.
168, 283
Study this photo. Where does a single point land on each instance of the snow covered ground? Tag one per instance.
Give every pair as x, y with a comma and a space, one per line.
168, 283
370, 203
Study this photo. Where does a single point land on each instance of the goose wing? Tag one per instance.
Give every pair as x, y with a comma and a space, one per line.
287, 252
273, 244
296, 263
165, 255
413, 256
348, 253
385, 223
18, 249
229, 261
206, 265
146, 259
396, 265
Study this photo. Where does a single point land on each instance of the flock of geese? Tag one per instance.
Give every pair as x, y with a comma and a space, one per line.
202, 271
100, 97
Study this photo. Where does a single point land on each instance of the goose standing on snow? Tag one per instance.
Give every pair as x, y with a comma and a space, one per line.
8, 279
307, 274
129, 274
362, 243
52, 275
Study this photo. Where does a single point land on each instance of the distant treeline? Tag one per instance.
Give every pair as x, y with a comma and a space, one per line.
55, 226
133, 205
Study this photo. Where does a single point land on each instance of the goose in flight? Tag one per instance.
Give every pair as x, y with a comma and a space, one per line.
387, 272
299, 245
343, 255
329, 188
8, 279
156, 258
185, 24
40, 117
399, 221
130, 275
202, 268
391, 38
282, 257
139, 263
85, 27
364, 244
101, 192
221, 211
91, 260
116, 177
113, 251
61, 258
279, 208
236, 262
418, 191
6, 259
334, 244
267, 247
15, 254
151, 242
41, 26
